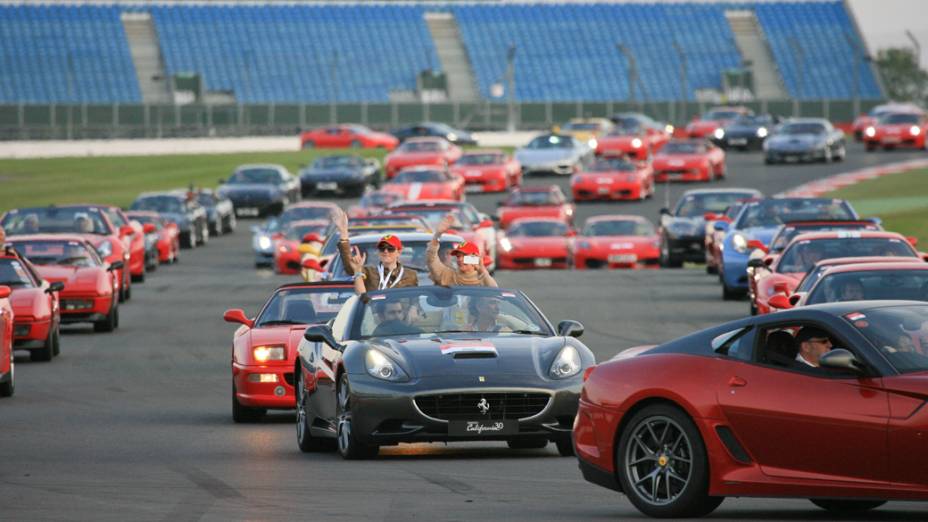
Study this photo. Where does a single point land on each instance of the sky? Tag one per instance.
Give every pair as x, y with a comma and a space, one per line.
884, 22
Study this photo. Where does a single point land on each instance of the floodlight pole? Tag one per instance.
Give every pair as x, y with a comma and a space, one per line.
856, 50
799, 55
917, 46
632, 71
683, 78
71, 97
511, 88
333, 90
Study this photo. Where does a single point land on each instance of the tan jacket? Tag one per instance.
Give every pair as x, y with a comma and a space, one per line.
444, 275
371, 274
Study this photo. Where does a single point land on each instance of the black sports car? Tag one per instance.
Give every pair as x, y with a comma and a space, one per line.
260, 190
342, 174
439, 364
748, 131
456, 136
174, 206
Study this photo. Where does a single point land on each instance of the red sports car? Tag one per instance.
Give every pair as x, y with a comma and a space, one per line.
633, 142
90, 293
110, 241
166, 234
287, 249
373, 203
535, 201
613, 178
536, 243
7, 365
415, 183
897, 129
689, 160
432, 152
716, 118
488, 171
37, 317
133, 236
730, 411
781, 273
617, 241
869, 119
343, 136
264, 349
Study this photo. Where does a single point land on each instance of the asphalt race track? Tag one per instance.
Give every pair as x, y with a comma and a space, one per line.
136, 425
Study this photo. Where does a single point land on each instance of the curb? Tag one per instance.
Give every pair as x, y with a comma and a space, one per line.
818, 187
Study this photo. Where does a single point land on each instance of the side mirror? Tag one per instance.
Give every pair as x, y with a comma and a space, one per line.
495, 217
756, 244
126, 230
321, 333
149, 228
57, 286
710, 216
780, 301
569, 328
311, 264
720, 226
486, 223
912, 240
665, 211
221, 181
756, 262
5, 292
116, 265
277, 235
841, 359
237, 315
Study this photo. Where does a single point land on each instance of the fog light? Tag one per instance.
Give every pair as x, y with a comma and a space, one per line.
262, 377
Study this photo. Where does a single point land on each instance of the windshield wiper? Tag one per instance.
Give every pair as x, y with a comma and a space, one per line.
527, 332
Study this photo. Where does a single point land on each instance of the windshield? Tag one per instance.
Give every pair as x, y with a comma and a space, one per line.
336, 162
792, 129
144, 219
719, 115
419, 176
303, 213
53, 220
684, 147
480, 159
696, 205
426, 311
580, 126
619, 227
900, 333
412, 257
13, 273
527, 198
379, 199
868, 285
69, 253
420, 146
802, 255
612, 165
550, 141
773, 212
537, 229
433, 216
899, 118
206, 199
167, 204
296, 231
750, 121
303, 305
788, 232
257, 175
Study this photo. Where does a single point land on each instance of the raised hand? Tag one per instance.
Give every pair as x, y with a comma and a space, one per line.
340, 219
357, 260
446, 223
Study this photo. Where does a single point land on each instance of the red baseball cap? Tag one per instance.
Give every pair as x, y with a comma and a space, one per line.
391, 240
466, 249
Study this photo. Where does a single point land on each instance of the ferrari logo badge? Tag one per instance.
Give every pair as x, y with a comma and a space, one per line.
483, 406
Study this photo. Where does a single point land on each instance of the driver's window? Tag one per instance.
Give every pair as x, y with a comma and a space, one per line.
340, 324
797, 347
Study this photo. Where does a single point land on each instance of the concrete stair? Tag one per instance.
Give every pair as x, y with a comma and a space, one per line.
462, 86
751, 42
146, 55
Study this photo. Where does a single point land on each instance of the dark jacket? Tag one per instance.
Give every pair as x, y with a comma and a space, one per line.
371, 275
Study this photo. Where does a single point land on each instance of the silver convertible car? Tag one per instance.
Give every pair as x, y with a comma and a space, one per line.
553, 154
433, 363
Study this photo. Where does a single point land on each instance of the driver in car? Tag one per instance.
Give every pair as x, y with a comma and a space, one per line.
813, 344
392, 319
485, 316
809, 254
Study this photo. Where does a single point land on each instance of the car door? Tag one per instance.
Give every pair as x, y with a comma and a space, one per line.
326, 362
807, 424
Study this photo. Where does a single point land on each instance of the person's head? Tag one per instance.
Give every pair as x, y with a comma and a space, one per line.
468, 256
83, 225
391, 311
388, 249
813, 343
851, 290
31, 223
485, 307
811, 254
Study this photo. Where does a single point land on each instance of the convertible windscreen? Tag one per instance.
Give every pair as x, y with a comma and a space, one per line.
899, 119
619, 228
53, 220
792, 129
68, 253
420, 146
773, 212
802, 256
550, 142
900, 333
412, 256
426, 311
612, 165
257, 176
911, 285
159, 204
696, 205
683, 147
13, 273
303, 306
538, 229
480, 159
336, 162
420, 176
531, 198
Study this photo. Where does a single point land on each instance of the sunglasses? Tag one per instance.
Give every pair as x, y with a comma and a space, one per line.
386, 248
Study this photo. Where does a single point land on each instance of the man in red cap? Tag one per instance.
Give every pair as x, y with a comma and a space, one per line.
470, 270
388, 273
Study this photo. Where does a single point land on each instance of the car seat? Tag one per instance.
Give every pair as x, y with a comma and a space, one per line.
781, 348
300, 310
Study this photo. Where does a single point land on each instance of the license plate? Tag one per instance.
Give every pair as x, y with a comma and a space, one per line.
603, 190
542, 261
478, 428
623, 258
676, 175
327, 185
246, 211
891, 139
792, 159
473, 188
738, 141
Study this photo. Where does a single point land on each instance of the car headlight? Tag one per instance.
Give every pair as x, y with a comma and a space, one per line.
668, 128
914, 130
566, 364
264, 242
592, 143
740, 243
762, 132
105, 249
268, 353
636, 143
870, 132
719, 134
505, 244
380, 366
451, 136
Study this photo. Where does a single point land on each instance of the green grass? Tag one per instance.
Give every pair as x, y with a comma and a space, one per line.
900, 200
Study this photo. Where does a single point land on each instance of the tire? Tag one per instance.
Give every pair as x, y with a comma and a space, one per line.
527, 443
109, 323
712, 269
565, 447
304, 438
128, 288
139, 278
828, 155
46, 352
768, 160
244, 414
8, 388
56, 347
730, 294
188, 239
667, 260
753, 308
347, 442
682, 463
204, 234
846, 506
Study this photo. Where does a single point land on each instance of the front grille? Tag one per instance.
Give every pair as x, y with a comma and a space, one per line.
464, 406
20, 330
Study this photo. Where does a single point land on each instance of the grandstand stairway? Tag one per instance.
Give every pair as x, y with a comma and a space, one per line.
751, 43
146, 55
462, 85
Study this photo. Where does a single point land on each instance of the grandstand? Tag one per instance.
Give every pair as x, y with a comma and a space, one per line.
322, 53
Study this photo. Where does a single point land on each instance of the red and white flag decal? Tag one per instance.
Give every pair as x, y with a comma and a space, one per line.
465, 347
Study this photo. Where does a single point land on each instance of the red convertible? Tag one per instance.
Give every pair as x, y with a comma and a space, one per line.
166, 232
288, 249
782, 273
633, 142
689, 160
343, 136
264, 349
133, 236
536, 243
617, 241
897, 129
488, 171
432, 152
7, 365
415, 183
731, 411
37, 318
90, 293
716, 118
535, 201
613, 178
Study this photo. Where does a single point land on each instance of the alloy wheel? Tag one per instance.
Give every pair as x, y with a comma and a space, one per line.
659, 460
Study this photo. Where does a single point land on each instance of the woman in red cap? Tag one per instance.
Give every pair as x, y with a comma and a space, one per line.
470, 269
388, 273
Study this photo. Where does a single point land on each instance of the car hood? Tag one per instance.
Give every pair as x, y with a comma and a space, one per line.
330, 174
445, 355
538, 242
695, 225
69, 275
677, 159
544, 156
619, 242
